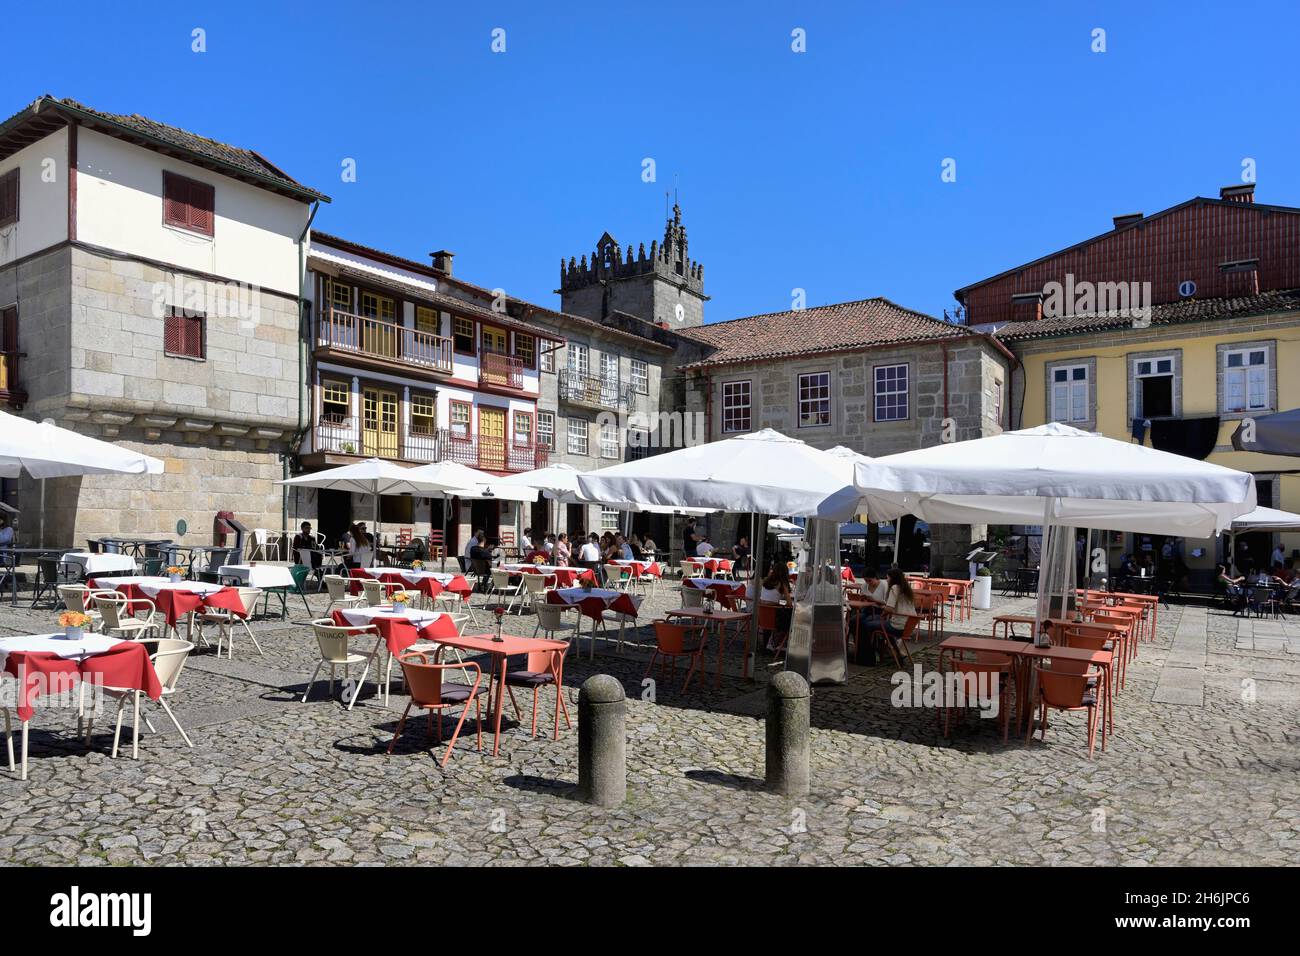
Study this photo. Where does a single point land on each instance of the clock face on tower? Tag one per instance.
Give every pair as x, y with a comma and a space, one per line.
680, 312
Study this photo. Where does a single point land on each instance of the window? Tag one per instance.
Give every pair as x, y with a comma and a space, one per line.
548, 358
891, 393
1154, 392
609, 519
638, 444
735, 407
641, 377
609, 368
577, 436
335, 402
380, 307
9, 198
183, 334
1070, 393
462, 334
524, 428
424, 417
9, 384
188, 204
426, 320
526, 350
608, 439
814, 399
579, 359
1245, 380
546, 429
340, 296
997, 401
459, 413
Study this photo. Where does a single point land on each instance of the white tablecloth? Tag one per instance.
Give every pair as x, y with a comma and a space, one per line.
88, 646
152, 588
408, 575
97, 563
258, 576
361, 616
121, 580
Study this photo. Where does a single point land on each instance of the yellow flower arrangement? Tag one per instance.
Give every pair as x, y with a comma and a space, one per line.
401, 597
74, 619
538, 560
173, 569
417, 565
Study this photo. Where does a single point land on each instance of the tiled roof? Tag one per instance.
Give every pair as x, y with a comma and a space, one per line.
231, 160
825, 328
1171, 313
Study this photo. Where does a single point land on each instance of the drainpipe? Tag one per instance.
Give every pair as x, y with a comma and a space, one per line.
944, 346
298, 433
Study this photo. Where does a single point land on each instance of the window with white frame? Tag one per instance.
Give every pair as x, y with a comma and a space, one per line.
735, 407
609, 367
638, 444
548, 357
997, 401
579, 359
1245, 380
608, 439
546, 429
890, 384
1154, 387
577, 432
641, 377
1070, 393
814, 399
609, 519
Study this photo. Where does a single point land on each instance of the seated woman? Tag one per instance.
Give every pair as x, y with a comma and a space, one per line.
899, 605
775, 589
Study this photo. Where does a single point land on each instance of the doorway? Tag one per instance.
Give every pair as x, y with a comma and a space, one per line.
540, 518
492, 438
379, 423
575, 521
333, 514
485, 516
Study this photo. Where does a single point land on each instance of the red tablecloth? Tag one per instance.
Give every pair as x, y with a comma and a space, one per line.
399, 632
593, 606
173, 605
639, 568
125, 665
712, 565
425, 585
733, 588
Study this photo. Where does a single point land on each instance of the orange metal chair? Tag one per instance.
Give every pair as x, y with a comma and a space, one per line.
929, 604
983, 672
897, 645
767, 621
542, 669
1058, 689
674, 640
430, 693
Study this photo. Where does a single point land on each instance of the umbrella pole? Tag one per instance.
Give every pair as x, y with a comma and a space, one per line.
375, 549
41, 533
759, 547
444, 532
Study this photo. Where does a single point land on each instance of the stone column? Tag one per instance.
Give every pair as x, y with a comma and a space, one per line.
788, 735
602, 741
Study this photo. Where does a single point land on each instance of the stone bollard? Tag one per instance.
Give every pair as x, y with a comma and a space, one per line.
602, 741
787, 735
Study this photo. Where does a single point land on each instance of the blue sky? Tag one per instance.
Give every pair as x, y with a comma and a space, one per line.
816, 170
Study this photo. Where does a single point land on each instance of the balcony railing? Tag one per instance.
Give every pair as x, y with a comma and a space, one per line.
594, 391
504, 371
376, 338
11, 392
340, 435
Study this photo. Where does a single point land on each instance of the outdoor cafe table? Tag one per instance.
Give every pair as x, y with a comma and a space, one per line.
428, 583
716, 585
500, 651
257, 575
593, 603
564, 577
710, 565
1008, 621
40, 662
11, 558
174, 599
719, 618
396, 629
1100, 659
102, 563
639, 568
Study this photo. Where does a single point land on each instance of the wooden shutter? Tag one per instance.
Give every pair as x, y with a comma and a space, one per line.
202, 200
188, 204
9, 197
183, 335
175, 200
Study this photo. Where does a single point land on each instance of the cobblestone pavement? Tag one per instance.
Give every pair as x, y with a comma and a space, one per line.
1202, 769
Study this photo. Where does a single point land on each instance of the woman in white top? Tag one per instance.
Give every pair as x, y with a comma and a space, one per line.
899, 601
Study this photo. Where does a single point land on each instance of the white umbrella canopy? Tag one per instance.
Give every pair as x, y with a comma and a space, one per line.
763, 472
45, 450
454, 479
374, 476
1267, 519
1055, 474
553, 480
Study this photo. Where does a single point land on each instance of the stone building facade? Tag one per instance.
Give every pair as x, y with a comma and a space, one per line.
154, 284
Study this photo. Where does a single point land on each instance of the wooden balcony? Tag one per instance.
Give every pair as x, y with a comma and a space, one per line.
501, 371
593, 391
341, 436
382, 344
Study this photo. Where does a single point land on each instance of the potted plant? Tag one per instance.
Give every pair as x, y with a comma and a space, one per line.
349, 448
400, 600
982, 596
417, 565
73, 624
174, 573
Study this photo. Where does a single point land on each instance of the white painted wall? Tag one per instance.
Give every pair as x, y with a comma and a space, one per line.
42, 203
119, 206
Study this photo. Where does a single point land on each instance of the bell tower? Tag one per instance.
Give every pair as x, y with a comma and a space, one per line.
665, 287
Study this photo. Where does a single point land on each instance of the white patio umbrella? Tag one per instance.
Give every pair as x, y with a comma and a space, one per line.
1261, 519
1055, 476
455, 480
44, 450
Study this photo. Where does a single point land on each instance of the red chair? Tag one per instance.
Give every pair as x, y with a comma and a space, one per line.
899, 644
1060, 690
768, 621
673, 640
430, 693
542, 668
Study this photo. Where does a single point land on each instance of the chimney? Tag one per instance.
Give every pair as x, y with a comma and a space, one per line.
1127, 219
442, 261
1243, 193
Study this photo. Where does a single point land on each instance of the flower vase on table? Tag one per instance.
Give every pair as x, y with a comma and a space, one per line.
174, 575
499, 612
73, 624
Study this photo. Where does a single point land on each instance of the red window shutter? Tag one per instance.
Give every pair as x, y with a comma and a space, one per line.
173, 330
175, 200
202, 199
195, 342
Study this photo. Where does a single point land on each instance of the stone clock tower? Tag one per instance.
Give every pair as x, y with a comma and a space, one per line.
664, 286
